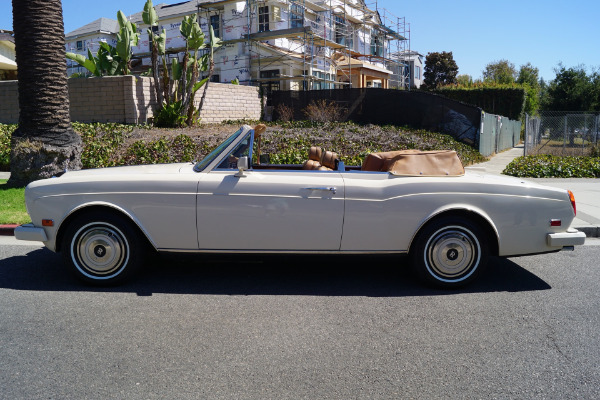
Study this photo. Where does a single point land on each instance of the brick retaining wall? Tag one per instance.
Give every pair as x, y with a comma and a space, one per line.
130, 99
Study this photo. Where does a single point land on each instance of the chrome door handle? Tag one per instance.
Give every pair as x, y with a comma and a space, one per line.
329, 189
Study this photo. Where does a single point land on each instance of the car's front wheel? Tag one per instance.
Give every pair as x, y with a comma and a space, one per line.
103, 249
450, 252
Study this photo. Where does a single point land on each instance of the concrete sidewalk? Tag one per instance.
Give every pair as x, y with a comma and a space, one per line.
586, 190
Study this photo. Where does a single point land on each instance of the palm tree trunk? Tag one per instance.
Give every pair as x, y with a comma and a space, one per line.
44, 142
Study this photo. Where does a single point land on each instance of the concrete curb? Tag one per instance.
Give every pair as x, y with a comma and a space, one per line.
590, 231
7, 230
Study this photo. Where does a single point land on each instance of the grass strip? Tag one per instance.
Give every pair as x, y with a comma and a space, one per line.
12, 205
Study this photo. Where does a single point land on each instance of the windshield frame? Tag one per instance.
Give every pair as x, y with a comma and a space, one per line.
213, 158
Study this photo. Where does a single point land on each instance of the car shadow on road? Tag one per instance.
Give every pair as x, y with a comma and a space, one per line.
375, 276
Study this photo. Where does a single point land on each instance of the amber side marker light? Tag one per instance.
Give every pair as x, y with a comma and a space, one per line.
572, 198
47, 222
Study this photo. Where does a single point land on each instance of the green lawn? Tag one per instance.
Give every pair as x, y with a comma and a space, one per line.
12, 205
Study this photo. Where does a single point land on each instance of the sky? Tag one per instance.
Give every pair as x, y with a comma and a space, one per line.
542, 32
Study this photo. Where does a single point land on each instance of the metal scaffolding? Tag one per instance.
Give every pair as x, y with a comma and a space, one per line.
319, 44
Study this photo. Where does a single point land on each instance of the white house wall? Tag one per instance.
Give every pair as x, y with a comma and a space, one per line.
91, 42
233, 61
7, 51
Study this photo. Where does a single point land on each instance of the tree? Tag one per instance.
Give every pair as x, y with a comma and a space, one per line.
595, 78
440, 69
571, 90
464, 80
544, 99
528, 74
44, 143
529, 79
502, 71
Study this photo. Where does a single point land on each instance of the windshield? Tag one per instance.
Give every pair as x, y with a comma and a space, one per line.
213, 154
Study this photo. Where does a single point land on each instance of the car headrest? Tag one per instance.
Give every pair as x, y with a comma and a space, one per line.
329, 159
315, 153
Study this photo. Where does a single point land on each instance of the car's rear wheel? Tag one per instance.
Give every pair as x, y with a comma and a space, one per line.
103, 249
450, 252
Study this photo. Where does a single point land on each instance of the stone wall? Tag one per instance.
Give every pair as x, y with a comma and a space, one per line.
130, 99
229, 102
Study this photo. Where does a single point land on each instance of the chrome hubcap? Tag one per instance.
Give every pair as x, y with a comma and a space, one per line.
452, 254
100, 250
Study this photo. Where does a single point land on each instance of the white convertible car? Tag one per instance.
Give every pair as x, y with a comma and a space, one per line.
106, 221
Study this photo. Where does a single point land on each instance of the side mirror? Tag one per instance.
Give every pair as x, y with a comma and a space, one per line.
242, 164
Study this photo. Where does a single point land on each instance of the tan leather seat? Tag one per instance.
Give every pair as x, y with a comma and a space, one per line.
329, 161
314, 158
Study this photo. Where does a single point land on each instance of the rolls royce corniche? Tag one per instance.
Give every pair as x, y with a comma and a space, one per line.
106, 222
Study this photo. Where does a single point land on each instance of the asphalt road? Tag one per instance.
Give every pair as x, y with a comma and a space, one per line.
300, 328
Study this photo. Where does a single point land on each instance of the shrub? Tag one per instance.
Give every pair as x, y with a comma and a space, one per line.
290, 145
101, 142
506, 100
5, 135
323, 111
163, 150
548, 166
169, 116
284, 113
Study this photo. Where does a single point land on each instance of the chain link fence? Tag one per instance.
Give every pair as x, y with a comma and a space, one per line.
562, 133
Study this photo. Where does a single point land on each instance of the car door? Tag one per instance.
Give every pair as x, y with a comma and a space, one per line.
279, 210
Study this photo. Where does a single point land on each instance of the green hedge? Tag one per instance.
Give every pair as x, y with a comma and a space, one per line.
548, 166
289, 144
506, 100
110, 144
5, 134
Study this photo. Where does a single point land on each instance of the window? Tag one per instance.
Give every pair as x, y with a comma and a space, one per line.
324, 81
263, 19
276, 13
417, 72
80, 45
269, 86
213, 154
243, 149
215, 22
296, 15
376, 44
340, 30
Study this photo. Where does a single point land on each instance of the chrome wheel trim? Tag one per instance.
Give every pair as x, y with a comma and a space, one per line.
99, 250
452, 254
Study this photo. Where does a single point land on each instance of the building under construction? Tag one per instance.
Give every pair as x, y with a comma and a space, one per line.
291, 44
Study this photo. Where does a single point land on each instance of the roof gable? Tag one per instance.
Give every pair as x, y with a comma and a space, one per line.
100, 25
165, 11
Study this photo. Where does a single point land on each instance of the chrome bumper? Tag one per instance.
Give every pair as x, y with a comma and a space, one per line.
571, 237
30, 232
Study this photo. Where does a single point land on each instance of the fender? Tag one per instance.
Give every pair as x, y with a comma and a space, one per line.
115, 207
450, 208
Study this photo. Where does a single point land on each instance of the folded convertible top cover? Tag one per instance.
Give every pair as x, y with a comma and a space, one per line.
415, 163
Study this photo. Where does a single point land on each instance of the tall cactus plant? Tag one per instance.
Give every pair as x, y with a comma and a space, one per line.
176, 87
110, 60
127, 38
157, 43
